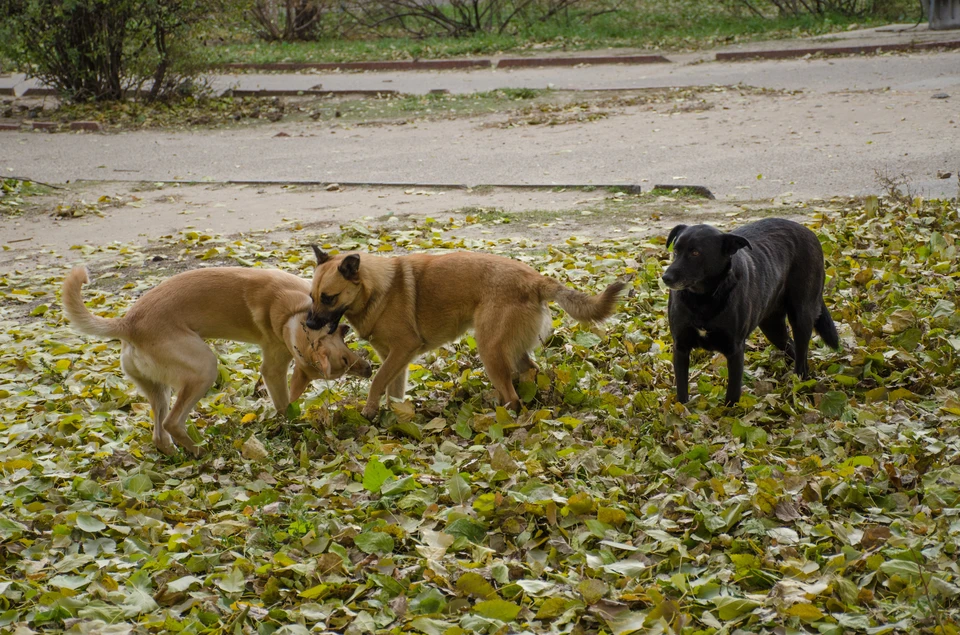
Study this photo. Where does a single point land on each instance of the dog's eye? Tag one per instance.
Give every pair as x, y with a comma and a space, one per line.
695, 253
328, 299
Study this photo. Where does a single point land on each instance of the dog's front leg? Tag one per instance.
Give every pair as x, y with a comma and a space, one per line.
274, 371
395, 363
734, 374
681, 371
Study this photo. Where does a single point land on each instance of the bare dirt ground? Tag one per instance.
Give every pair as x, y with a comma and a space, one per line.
140, 214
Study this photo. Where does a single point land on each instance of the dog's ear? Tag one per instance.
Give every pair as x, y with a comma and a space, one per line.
344, 329
733, 243
350, 267
321, 255
322, 363
676, 231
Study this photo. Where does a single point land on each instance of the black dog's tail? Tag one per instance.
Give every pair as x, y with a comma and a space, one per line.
826, 328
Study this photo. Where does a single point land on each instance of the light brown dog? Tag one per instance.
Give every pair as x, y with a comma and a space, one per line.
407, 305
163, 336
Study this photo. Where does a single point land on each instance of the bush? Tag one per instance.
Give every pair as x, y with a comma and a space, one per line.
101, 50
460, 18
289, 20
846, 8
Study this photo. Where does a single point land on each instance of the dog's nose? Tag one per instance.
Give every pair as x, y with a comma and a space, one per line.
668, 278
315, 322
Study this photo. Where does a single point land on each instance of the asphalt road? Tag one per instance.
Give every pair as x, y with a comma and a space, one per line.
852, 119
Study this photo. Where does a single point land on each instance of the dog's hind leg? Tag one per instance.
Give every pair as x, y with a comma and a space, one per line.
775, 328
156, 393
802, 326
505, 335
193, 367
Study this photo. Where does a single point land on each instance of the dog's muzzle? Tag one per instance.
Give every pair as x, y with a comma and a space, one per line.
317, 321
669, 279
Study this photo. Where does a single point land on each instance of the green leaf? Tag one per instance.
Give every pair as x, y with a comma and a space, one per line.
375, 474
833, 404
90, 523
459, 489
233, 582
476, 585
374, 542
497, 610
138, 484
182, 584
587, 339
467, 528
430, 601
730, 608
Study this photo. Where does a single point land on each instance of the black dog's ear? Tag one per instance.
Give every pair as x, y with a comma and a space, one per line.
676, 231
321, 255
733, 243
350, 267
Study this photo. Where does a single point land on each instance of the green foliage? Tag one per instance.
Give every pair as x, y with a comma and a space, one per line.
103, 50
646, 24
825, 506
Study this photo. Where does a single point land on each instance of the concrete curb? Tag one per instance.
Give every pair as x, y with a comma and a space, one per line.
412, 65
430, 65
39, 91
834, 50
244, 92
629, 188
531, 62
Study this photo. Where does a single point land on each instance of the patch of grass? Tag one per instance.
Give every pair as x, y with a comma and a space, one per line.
670, 25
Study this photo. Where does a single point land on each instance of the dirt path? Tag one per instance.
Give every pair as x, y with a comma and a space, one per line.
144, 214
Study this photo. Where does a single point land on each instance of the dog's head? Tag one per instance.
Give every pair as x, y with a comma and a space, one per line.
336, 285
322, 354
700, 253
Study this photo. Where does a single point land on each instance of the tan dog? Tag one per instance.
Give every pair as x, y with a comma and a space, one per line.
407, 305
163, 336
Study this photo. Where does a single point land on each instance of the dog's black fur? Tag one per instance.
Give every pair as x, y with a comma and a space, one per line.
723, 286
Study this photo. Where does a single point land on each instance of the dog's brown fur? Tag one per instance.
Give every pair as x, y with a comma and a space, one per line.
407, 305
163, 336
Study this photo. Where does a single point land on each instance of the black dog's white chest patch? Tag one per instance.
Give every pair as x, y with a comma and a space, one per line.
702, 332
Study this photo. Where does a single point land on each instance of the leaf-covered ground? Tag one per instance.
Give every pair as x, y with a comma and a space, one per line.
824, 506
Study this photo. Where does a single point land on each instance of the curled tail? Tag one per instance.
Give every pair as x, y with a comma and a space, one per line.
80, 317
826, 328
584, 307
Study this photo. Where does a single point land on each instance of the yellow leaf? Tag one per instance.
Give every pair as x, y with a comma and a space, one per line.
611, 516
247, 418
807, 612
62, 364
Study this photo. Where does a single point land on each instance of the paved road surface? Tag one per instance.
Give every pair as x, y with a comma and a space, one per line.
854, 117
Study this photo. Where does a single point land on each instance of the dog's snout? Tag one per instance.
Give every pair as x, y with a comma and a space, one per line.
669, 277
315, 322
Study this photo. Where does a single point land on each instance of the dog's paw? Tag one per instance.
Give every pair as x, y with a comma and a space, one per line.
370, 412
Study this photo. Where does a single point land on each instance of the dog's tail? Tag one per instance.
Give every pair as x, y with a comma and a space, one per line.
81, 318
584, 307
826, 328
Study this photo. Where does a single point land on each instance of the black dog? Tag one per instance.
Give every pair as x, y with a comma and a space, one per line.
723, 286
